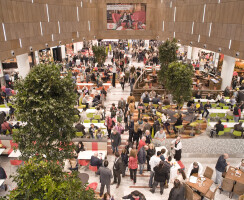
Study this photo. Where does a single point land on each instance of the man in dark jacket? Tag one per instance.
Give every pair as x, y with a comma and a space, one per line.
115, 140
117, 169
220, 168
135, 195
238, 127
142, 158
3, 176
105, 177
177, 192
95, 161
161, 175
80, 128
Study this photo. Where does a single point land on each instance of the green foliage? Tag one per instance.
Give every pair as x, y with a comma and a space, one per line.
167, 55
179, 81
40, 180
46, 103
99, 54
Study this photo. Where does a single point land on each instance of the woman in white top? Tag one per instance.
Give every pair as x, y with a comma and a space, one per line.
240, 166
177, 146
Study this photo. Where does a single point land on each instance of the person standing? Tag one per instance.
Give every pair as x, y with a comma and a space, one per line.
161, 175
150, 152
177, 146
132, 82
177, 192
105, 177
115, 140
122, 82
114, 70
237, 113
220, 168
133, 165
142, 158
154, 161
109, 123
117, 169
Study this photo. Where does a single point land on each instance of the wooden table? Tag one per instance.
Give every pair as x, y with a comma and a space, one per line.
202, 189
231, 174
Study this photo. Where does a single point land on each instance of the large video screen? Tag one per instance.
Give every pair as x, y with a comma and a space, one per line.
128, 16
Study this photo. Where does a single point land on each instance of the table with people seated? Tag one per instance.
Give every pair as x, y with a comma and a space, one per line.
90, 110
235, 175
86, 155
209, 100
227, 124
201, 184
99, 125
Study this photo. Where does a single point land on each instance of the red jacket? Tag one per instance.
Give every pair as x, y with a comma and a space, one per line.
132, 163
141, 144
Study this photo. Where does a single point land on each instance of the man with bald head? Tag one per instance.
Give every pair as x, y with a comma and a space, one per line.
95, 161
220, 168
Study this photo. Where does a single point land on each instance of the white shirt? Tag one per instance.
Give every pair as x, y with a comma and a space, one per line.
114, 70
179, 145
240, 167
154, 161
164, 118
191, 167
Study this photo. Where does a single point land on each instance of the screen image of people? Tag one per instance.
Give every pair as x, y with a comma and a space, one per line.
130, 16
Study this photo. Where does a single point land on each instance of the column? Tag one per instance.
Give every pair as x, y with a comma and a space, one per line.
189, 52
37, 61
23, 64
63, 52
227, 71
75, 47
195, 56
2, 79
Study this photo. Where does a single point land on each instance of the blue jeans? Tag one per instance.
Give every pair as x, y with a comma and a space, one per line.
236, 119
151, 179
219, 178
115, 149
141, 167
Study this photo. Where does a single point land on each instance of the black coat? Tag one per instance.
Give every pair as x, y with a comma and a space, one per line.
142, 156
118, 166
116, 139
150, 152
177, 193
96, 161
161, 174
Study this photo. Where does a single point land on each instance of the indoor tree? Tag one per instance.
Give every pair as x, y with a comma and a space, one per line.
45, 102
42, 180
167, 55
99, 54
178, 81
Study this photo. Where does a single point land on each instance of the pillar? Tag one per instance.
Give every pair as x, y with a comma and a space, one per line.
37, 60
2, 79
63, 52
189, 52
75, 47
195, 56
227, 71
23, 64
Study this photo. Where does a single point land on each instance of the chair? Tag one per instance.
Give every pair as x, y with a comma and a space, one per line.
223, 120
218, 108
179, 129
2, 106
102, 121
92, 186
92, 108
77, 118
193, 125
83, 162
9, 104
227, 130
15, 162
221, 105
231, 120
79, 134
241, 120
190, 195
97, 117
94, 121
238, 188
221, 115
229, 117
213, 115
89, 115
220, 133
210, 195
237, 133
93, 168
227, 97
87, 121
214, 105
155, 105
227, 185
226, 107
208, 173
146, 104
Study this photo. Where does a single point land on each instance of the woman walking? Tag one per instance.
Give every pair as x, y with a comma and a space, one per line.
133, 165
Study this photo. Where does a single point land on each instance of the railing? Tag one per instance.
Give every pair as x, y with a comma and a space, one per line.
138, 91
